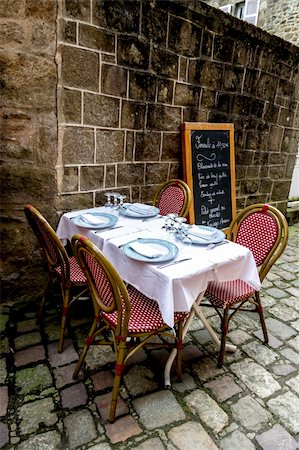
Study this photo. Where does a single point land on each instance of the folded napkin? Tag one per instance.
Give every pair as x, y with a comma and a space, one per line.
149, 250
93, 220
140, 208
203, 233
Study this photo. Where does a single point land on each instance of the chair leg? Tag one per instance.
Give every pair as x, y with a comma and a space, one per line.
41, 310
119, 369
224, 331
64, 313
88, 342
262, 318
179, 352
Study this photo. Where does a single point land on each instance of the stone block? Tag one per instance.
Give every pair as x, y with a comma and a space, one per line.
237, 439
191, 435
276, 437
80, 428
242, 54
130, 174
26, 340
286, 118
184, 37
182, 69
223, 388
285, 407
93, 37
250, 413
133, 115
147, 146
140, 380
186, 95
4, 434
92, 177
151, 443
102, 380
68, 355
100, 110
207, 73
156, 173
67, 31
103, 403
171, 147
78, 141
142, 86
32, 354
113, 80
73, 396
78, 9
33, 379
223, 48
72, 61
50, 439
154, 24
123, 16
207, 43
164, 62
38, 9
12, 10
133, 52
251, 81
71, 105
233, 79
163, 118
122, 429
110, 146
70, 179
43, 39
110, 176
280, 190
32, 414
267, 86
12, 33
76, 201
3, 400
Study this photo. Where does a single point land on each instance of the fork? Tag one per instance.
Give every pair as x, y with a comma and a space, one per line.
211, 246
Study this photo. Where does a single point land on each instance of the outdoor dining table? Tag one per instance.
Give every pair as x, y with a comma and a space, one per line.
176, 287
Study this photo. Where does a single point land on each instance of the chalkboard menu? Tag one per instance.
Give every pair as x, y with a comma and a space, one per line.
209, 170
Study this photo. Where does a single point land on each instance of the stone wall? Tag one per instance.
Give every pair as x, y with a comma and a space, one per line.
128, 74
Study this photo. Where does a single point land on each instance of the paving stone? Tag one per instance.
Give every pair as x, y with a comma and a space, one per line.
68, 355
4, 434
187, 384
80, 428
223, 388
140, 380
64, 375
27, 325
153, 409
206, 368
102, 380
279, 329
292, 302
200, 403
283, 369
31, 415
290, 355
293, 291
3, 400
255, 377
190, 436
202, 336
250, 413
52, 331
294, 384
4, 345
44, 441
262, 354
277, 438
285, 407
100, 446
273, 341
150, 444
295, 325
122, 429
236, 440
191, 353
99, 355
4, 318
29, 355
26, 340
33, 379
238, 337
73, 396
244, 322
281, 311
276, 293
103, 405
3, 371
294, 343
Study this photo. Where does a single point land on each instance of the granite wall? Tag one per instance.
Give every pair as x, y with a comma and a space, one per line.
128, 73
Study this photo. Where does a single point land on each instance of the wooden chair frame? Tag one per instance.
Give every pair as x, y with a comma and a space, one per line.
186, 192
274, 253
58, 267
123, 347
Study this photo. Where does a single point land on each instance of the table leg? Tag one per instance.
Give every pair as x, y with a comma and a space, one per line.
195, 310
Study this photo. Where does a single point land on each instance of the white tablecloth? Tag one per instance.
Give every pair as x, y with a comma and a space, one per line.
175, 288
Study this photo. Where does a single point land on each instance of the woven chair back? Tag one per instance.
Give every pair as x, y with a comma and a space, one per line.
173, 197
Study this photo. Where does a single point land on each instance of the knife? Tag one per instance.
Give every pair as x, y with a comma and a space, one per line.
173, 263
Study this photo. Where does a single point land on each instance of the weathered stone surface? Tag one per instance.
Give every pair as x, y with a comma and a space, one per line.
123, 429
80, 428
73, 59
133, 115
29, 355
33, 379
260, 353
161, 117
260, 381
285, 406
24, 340
44, 441
290, 355
4, 434
223, 388
147, 146
78, 140
3, 400
71, 105
294, 384
237, 440
133, 52
191, 435
99, 355
100, 110
149, 444
283, 369
153, 409
3, 372
206, 368
250, 413
78, 9
102, 380
103, 403
64, 375
164, 62
31, 415
114, 80
187, 384
276, 437
92, 177
110, 146
93, 37
140, 379
207, 409
73, 396
68, 355
124, 17
184, 37
142, 86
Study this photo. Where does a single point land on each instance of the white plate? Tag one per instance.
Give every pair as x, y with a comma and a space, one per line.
171, 250
125, 211
108, 221
219, 236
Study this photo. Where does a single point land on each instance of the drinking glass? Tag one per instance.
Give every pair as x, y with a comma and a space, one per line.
108, 200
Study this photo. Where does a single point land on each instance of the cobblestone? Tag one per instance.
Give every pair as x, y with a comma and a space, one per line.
250, 403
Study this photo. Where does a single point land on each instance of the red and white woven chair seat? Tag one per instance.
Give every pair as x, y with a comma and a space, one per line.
171, 200
145, 314
227, 293
76, 274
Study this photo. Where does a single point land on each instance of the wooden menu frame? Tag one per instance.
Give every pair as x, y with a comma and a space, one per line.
209, 170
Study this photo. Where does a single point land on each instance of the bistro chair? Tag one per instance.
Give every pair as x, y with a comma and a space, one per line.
128, 317
60, 267
264, 230
174, 196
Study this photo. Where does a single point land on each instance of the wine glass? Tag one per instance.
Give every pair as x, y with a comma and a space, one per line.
108, 202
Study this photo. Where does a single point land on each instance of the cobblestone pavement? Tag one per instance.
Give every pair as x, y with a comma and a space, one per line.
251, 403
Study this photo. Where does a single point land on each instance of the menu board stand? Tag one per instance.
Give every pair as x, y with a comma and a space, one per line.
209, 170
